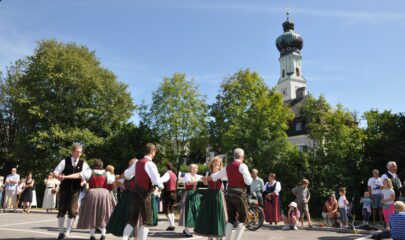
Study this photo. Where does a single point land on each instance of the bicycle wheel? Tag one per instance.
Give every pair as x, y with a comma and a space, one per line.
255, 217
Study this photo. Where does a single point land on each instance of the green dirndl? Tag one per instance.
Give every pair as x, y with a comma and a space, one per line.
154, 210
120, 216
212, 218
189, 208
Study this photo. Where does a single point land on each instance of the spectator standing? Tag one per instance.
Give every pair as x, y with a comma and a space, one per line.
366, 210
303, 195
51, 187
375, 188
330, 210
271, 196
388, 200
1, 190
397, 221
257, 186
343, 203
11, 185
27, 193
392, 174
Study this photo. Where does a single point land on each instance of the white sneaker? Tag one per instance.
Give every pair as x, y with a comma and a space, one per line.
295, 228
286, 227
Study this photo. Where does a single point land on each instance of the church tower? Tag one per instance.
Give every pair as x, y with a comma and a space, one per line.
292, 83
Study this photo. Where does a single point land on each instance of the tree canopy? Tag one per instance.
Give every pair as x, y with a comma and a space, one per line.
64, 96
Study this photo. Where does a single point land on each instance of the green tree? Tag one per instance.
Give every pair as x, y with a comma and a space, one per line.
8, 120
336, 151
249, 115
66, 96
178, 114
385, 141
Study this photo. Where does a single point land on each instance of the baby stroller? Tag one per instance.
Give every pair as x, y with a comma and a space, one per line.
351, 214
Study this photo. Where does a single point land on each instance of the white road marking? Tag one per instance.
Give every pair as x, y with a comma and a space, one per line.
39, 232
23, 223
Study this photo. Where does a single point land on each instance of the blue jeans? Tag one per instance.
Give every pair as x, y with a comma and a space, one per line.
366, 215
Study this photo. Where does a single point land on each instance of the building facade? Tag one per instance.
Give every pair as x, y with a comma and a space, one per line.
292, 84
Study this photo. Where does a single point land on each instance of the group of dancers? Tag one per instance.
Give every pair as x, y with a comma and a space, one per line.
213, 216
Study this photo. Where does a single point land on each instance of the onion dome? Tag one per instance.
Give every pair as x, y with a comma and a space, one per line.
289, 41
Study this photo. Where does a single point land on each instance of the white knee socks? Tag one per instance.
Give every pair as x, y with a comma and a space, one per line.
69, 225
127, 232
170, 217
143, 232
239, 231
103, 231
228, 231
61, 223
92, 232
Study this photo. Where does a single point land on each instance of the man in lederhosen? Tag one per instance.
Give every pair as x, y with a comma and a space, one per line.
69, 189
169, 195
145, 174
238, 176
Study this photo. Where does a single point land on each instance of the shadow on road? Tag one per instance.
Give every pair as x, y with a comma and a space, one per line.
340, 238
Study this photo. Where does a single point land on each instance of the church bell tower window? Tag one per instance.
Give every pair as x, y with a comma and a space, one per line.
297, 70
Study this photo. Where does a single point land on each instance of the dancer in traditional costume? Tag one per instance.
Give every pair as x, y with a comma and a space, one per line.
271, 196
146, 174
190, 202
238, 176
212, 216
69, 189
120, 215
169, 195
98, 204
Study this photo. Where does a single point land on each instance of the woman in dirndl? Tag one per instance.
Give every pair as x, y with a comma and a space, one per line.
190, 202
212, 217
97, 206
271, 198
120, 215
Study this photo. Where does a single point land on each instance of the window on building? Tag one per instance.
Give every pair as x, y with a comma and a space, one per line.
298, 126
302, 148
283, 74
298, 71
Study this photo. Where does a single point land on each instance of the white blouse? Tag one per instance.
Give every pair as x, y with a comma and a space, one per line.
276, 190
189, 178
87, 175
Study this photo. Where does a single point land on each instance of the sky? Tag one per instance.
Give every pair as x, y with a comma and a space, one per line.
353, 50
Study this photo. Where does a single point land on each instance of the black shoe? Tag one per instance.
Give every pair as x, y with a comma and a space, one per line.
92, 238
102, 237
61, 236
170, 228
186, 234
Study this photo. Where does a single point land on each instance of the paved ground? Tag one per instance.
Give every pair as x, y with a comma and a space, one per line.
44, 226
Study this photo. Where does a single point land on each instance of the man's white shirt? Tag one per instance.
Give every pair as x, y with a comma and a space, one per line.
151, 170
61, 165
243, 169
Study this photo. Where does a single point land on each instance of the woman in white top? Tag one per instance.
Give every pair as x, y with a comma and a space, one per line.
271, 199
388, 200
190, 202
51, 184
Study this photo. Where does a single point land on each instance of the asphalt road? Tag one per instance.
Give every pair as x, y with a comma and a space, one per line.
44, 226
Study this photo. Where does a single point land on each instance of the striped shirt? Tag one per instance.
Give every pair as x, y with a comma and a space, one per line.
397, 223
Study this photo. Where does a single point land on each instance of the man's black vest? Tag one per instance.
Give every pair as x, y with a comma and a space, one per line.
71, 184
